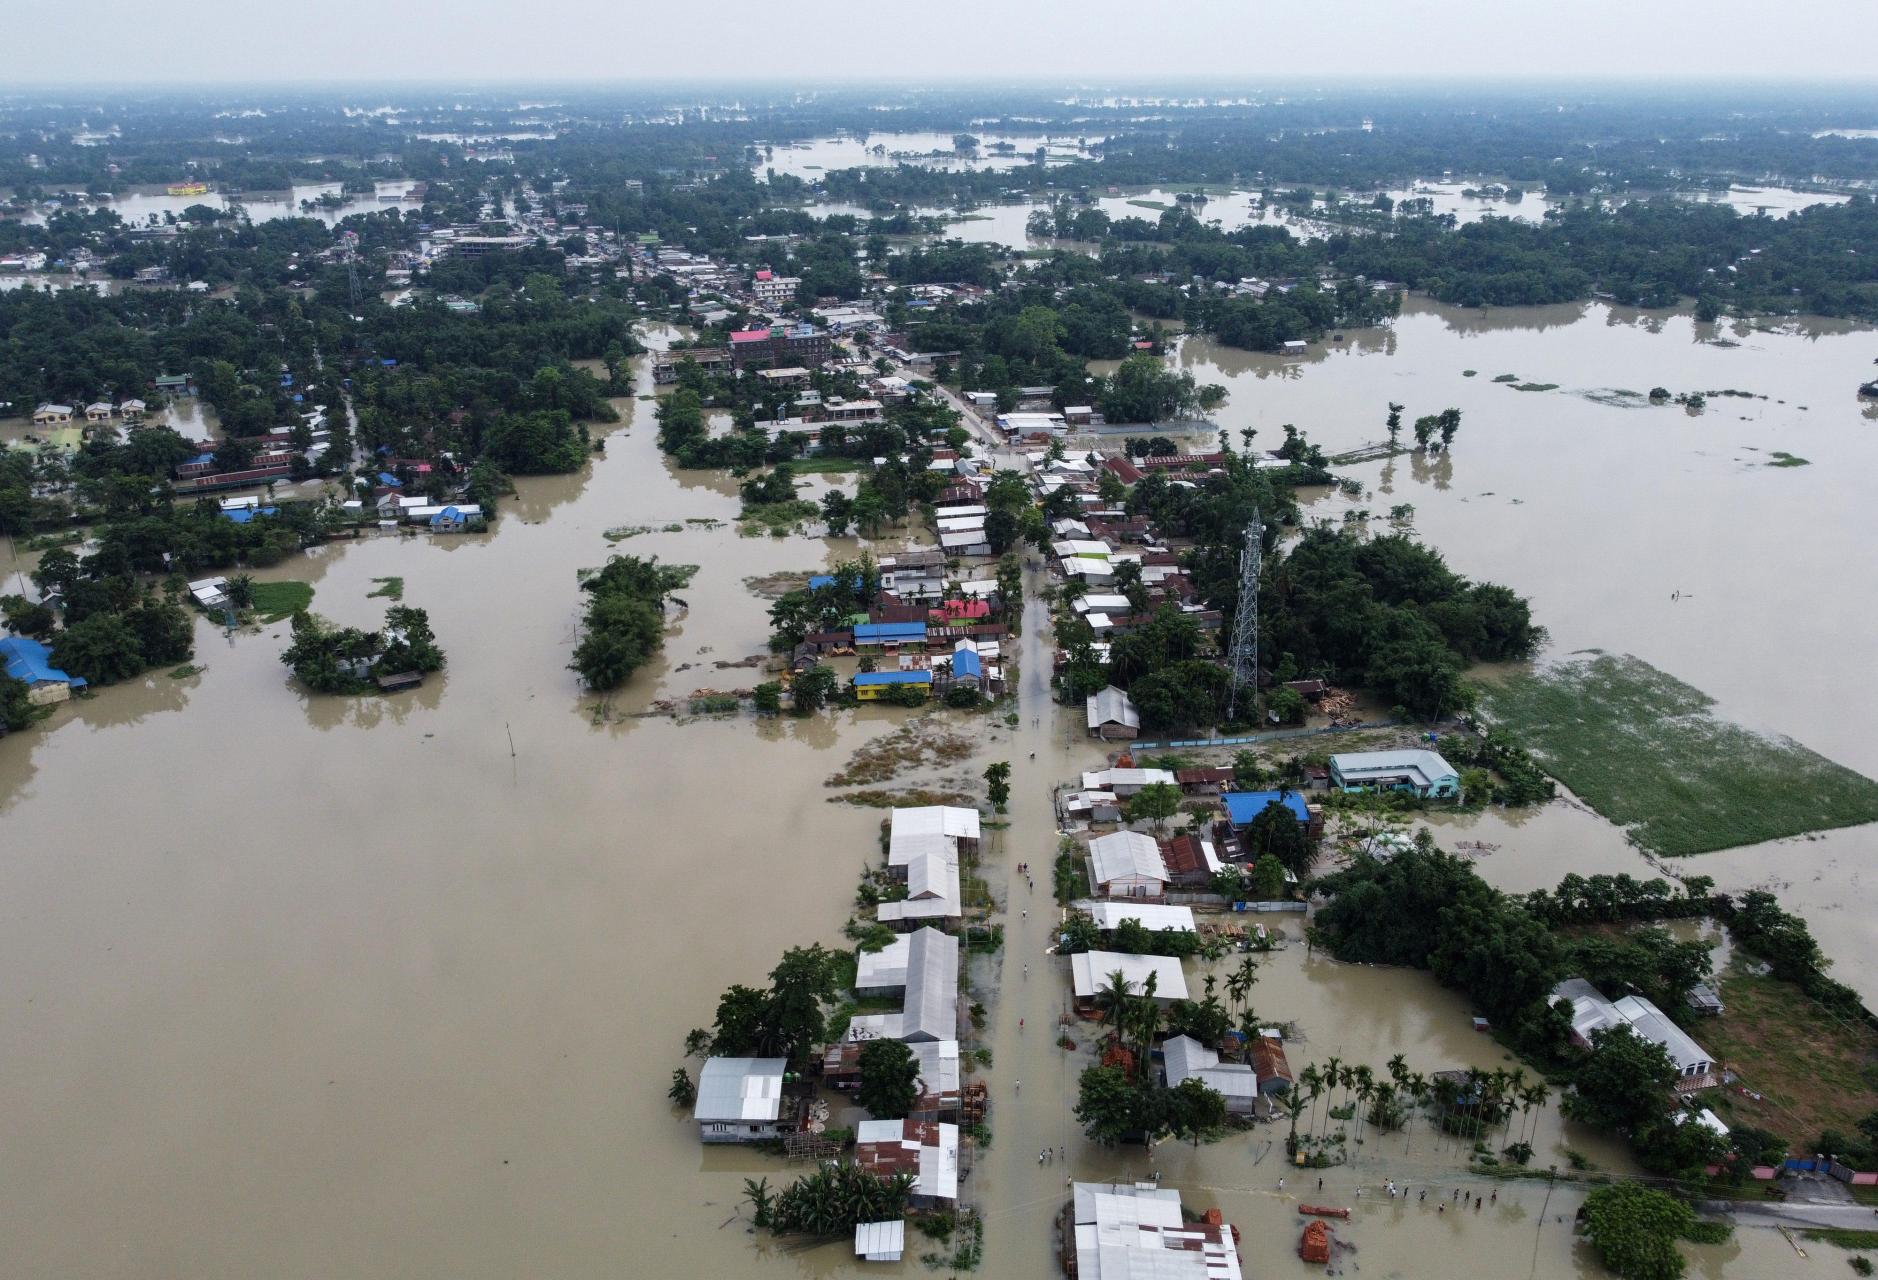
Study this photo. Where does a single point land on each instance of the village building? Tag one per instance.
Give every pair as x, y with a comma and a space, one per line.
1267, 1055
47, 415
742, 1100
1125, 1232
1592, 1013
927, 1149
1127, 864
1111, 714
872, 686
1185, 1059
1152, 916
1090, 972
1421, 773
1125, 781
1191, 860
1242, 807
30, 662
880, 1241
931, 1008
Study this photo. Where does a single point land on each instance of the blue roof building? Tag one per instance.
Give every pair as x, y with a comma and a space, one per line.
870, 685
242, 515
30, 663
967, 666
1243, 806
390, 481
819, 580
890, 633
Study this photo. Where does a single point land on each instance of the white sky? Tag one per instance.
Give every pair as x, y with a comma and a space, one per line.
189, 43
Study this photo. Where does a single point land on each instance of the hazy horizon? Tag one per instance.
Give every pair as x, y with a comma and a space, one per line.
192, 44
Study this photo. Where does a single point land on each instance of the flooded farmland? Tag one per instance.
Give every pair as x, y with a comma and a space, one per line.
330, 987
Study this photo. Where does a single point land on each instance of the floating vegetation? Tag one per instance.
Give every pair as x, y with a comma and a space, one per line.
390, 588
916, 797
1645, 751
911, 746
1506, 377
185, 671
777, 519
622, 532
1617, 398
1788, 460
1534, 386
1468, 373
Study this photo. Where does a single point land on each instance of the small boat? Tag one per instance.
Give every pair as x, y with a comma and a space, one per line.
1322, 1211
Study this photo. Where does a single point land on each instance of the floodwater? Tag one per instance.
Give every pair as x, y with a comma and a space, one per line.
1648, 530
144, 204
331, 987
810, 160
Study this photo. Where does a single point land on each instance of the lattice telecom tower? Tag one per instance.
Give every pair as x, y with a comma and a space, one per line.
349, 250
1245, 619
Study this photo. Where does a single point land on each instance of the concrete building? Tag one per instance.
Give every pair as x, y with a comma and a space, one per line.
930, 1012
880, 1241
772, 290
741, 1100
1138, 1232
1422, 773
802, 345
1124, 782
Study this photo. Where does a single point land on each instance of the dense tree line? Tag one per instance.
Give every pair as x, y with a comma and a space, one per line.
624, 625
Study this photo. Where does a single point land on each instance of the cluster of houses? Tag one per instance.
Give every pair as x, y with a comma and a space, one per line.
920, 633
1592, 1012
742, 1100
1129, 1230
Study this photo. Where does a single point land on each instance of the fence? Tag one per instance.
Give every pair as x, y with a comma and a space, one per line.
1832, 1169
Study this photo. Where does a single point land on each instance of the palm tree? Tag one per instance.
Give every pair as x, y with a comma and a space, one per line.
1365, 1090
1418, 1091
1514, 1090
1333, 1072
1398, 1069
1310, 1081
1294, 1107
1112, 1001
1536, 1097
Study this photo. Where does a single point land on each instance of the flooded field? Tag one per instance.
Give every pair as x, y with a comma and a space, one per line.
332, 987
144, 203
809, 160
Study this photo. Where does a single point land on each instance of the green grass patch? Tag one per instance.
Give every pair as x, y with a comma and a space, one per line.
826, 464
1788, 460
390, 588
185, 671
1644, 750
1813, 1071
276, 600
1155, 205
1844, 1237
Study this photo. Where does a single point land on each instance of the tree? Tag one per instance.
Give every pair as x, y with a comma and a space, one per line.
837, 512
1108, 1105
1425, 428
1450, 420
1635, 1230
102, 648
812, 688
27, 617
1154, 804
239, 588
1624, 1082
889, 1085
1394, 423
1276, 833
1268, 878
683, 1091
767, 698
1248, 773
410, 644
1193, 1109
998, 784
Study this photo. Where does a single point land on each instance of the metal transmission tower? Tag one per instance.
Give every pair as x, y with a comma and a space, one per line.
349, 250
1245, 619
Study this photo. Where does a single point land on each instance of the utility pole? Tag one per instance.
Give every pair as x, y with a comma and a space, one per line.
1245, 619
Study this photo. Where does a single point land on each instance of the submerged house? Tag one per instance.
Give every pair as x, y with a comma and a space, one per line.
1128, 864
1124, 1231
1187, 1059
1111, 714
931, 1006
1090, 972
742, 1100
30, 663
1592, 1013
927, 1149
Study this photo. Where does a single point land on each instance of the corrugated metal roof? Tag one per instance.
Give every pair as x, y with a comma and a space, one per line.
740, 1089
1090, 970
1243, 806
1124, 855
881, 1241
1112, 706
1150, 915
866, 678
31, 662
932, 987
890, 631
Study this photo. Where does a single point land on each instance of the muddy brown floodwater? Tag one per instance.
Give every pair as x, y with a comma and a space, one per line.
305, 987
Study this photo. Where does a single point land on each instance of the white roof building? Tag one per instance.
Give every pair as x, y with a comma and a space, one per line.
1128, 864
931, 1009
880, 1241
1125, 782
1152, 916
1188, 1059
1591, 1013
1138, 1232
740, 1088
933, 828
1112, 708
1089, 973
883, 970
